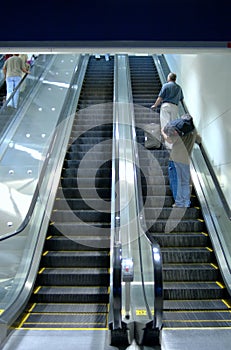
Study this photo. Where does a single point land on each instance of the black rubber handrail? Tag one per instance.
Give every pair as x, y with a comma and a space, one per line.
155, 248
157, 266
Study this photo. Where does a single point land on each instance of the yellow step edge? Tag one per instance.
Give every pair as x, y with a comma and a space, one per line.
68, 313
63, 323
61, 329
195, 311
23, 321
198, 321
209, 249
220, 285
37, 289
215, 266
227, 303
32, 308
205, 234
41, 270
193, 328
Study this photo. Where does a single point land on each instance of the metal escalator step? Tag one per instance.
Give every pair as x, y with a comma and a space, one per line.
84, 172
94, 181
92, 164
192, 290
81, 203
212, 304
166, 213
91, 156
103, 170
176, 225
72, 294
71, 229
83, 147
68, 321
187, 255
85, 182
159, 200
76, 259
74, 277
189, 272
191, 319
85, 138
84, 215
68, 308
182, 239
84, 193
77, 243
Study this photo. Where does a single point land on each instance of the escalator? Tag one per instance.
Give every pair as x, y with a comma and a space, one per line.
72, 285
194, 292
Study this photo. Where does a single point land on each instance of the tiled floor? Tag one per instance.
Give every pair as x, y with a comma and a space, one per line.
197, 339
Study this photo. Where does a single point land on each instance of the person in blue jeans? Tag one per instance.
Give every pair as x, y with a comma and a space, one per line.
13, 68
179, 162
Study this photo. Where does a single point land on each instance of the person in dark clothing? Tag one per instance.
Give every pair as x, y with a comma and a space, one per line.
179, 162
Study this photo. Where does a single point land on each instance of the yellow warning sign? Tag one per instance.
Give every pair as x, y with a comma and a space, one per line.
141, 312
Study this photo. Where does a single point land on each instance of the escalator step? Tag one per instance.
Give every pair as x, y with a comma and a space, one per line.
189, 290
187, 255
182, 239
207, 304
189, 272
84, 215
176, 226
170, 213
80, 204
208, 319
86, 294
70, 321
70, 229
76, 259
77, 243
68, 308
74, 277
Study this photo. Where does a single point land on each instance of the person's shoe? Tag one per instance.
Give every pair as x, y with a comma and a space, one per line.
178, 206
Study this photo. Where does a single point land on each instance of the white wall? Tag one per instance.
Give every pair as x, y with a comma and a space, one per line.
206, 82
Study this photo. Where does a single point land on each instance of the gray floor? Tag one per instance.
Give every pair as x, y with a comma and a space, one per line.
211, 339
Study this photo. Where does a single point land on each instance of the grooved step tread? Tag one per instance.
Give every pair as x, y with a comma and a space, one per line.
206, 304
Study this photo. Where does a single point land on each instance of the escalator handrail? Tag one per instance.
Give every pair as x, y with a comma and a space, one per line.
116, 274
155, 248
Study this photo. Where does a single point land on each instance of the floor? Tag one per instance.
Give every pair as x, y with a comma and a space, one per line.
195, 339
